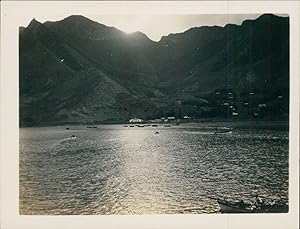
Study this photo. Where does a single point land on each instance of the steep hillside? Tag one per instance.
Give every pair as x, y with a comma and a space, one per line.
79, 71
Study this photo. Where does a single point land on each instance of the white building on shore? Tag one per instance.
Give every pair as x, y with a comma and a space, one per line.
135, 120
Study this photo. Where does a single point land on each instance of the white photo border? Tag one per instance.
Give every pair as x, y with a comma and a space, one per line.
12, 15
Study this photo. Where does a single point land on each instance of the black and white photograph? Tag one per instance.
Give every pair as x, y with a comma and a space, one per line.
132, 114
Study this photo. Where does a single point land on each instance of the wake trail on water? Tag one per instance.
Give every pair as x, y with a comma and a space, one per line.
63, 142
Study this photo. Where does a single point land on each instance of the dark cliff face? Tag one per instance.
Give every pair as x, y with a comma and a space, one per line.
77, 70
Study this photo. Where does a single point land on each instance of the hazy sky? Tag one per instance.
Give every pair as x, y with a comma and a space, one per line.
156, 26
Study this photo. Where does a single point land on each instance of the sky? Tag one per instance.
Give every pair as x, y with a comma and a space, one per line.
156, 26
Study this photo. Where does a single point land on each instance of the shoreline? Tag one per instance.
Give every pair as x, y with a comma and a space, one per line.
239, 124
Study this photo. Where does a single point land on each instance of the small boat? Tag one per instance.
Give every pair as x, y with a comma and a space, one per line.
156, 132
131, 126
224, 130
140, 125
167, 125
242, 207
67, 128
73, 137
125, 126
154, 125
230, 207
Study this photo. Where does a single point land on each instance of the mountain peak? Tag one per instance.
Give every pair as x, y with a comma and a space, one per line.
138, 35
34, 23
268, 15
79, 19
264, 18
81, 22
76, 18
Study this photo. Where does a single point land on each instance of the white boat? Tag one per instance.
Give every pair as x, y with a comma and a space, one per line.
73, 137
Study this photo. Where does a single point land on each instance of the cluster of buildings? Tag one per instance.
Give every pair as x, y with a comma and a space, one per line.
227, 101
248, 104
159, 120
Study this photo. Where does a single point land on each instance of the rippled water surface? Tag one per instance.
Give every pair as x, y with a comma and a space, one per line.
121, 170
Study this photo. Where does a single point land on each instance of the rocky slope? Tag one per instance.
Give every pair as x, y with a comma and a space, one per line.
79, 71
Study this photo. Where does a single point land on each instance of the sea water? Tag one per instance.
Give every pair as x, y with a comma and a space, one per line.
114, 169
